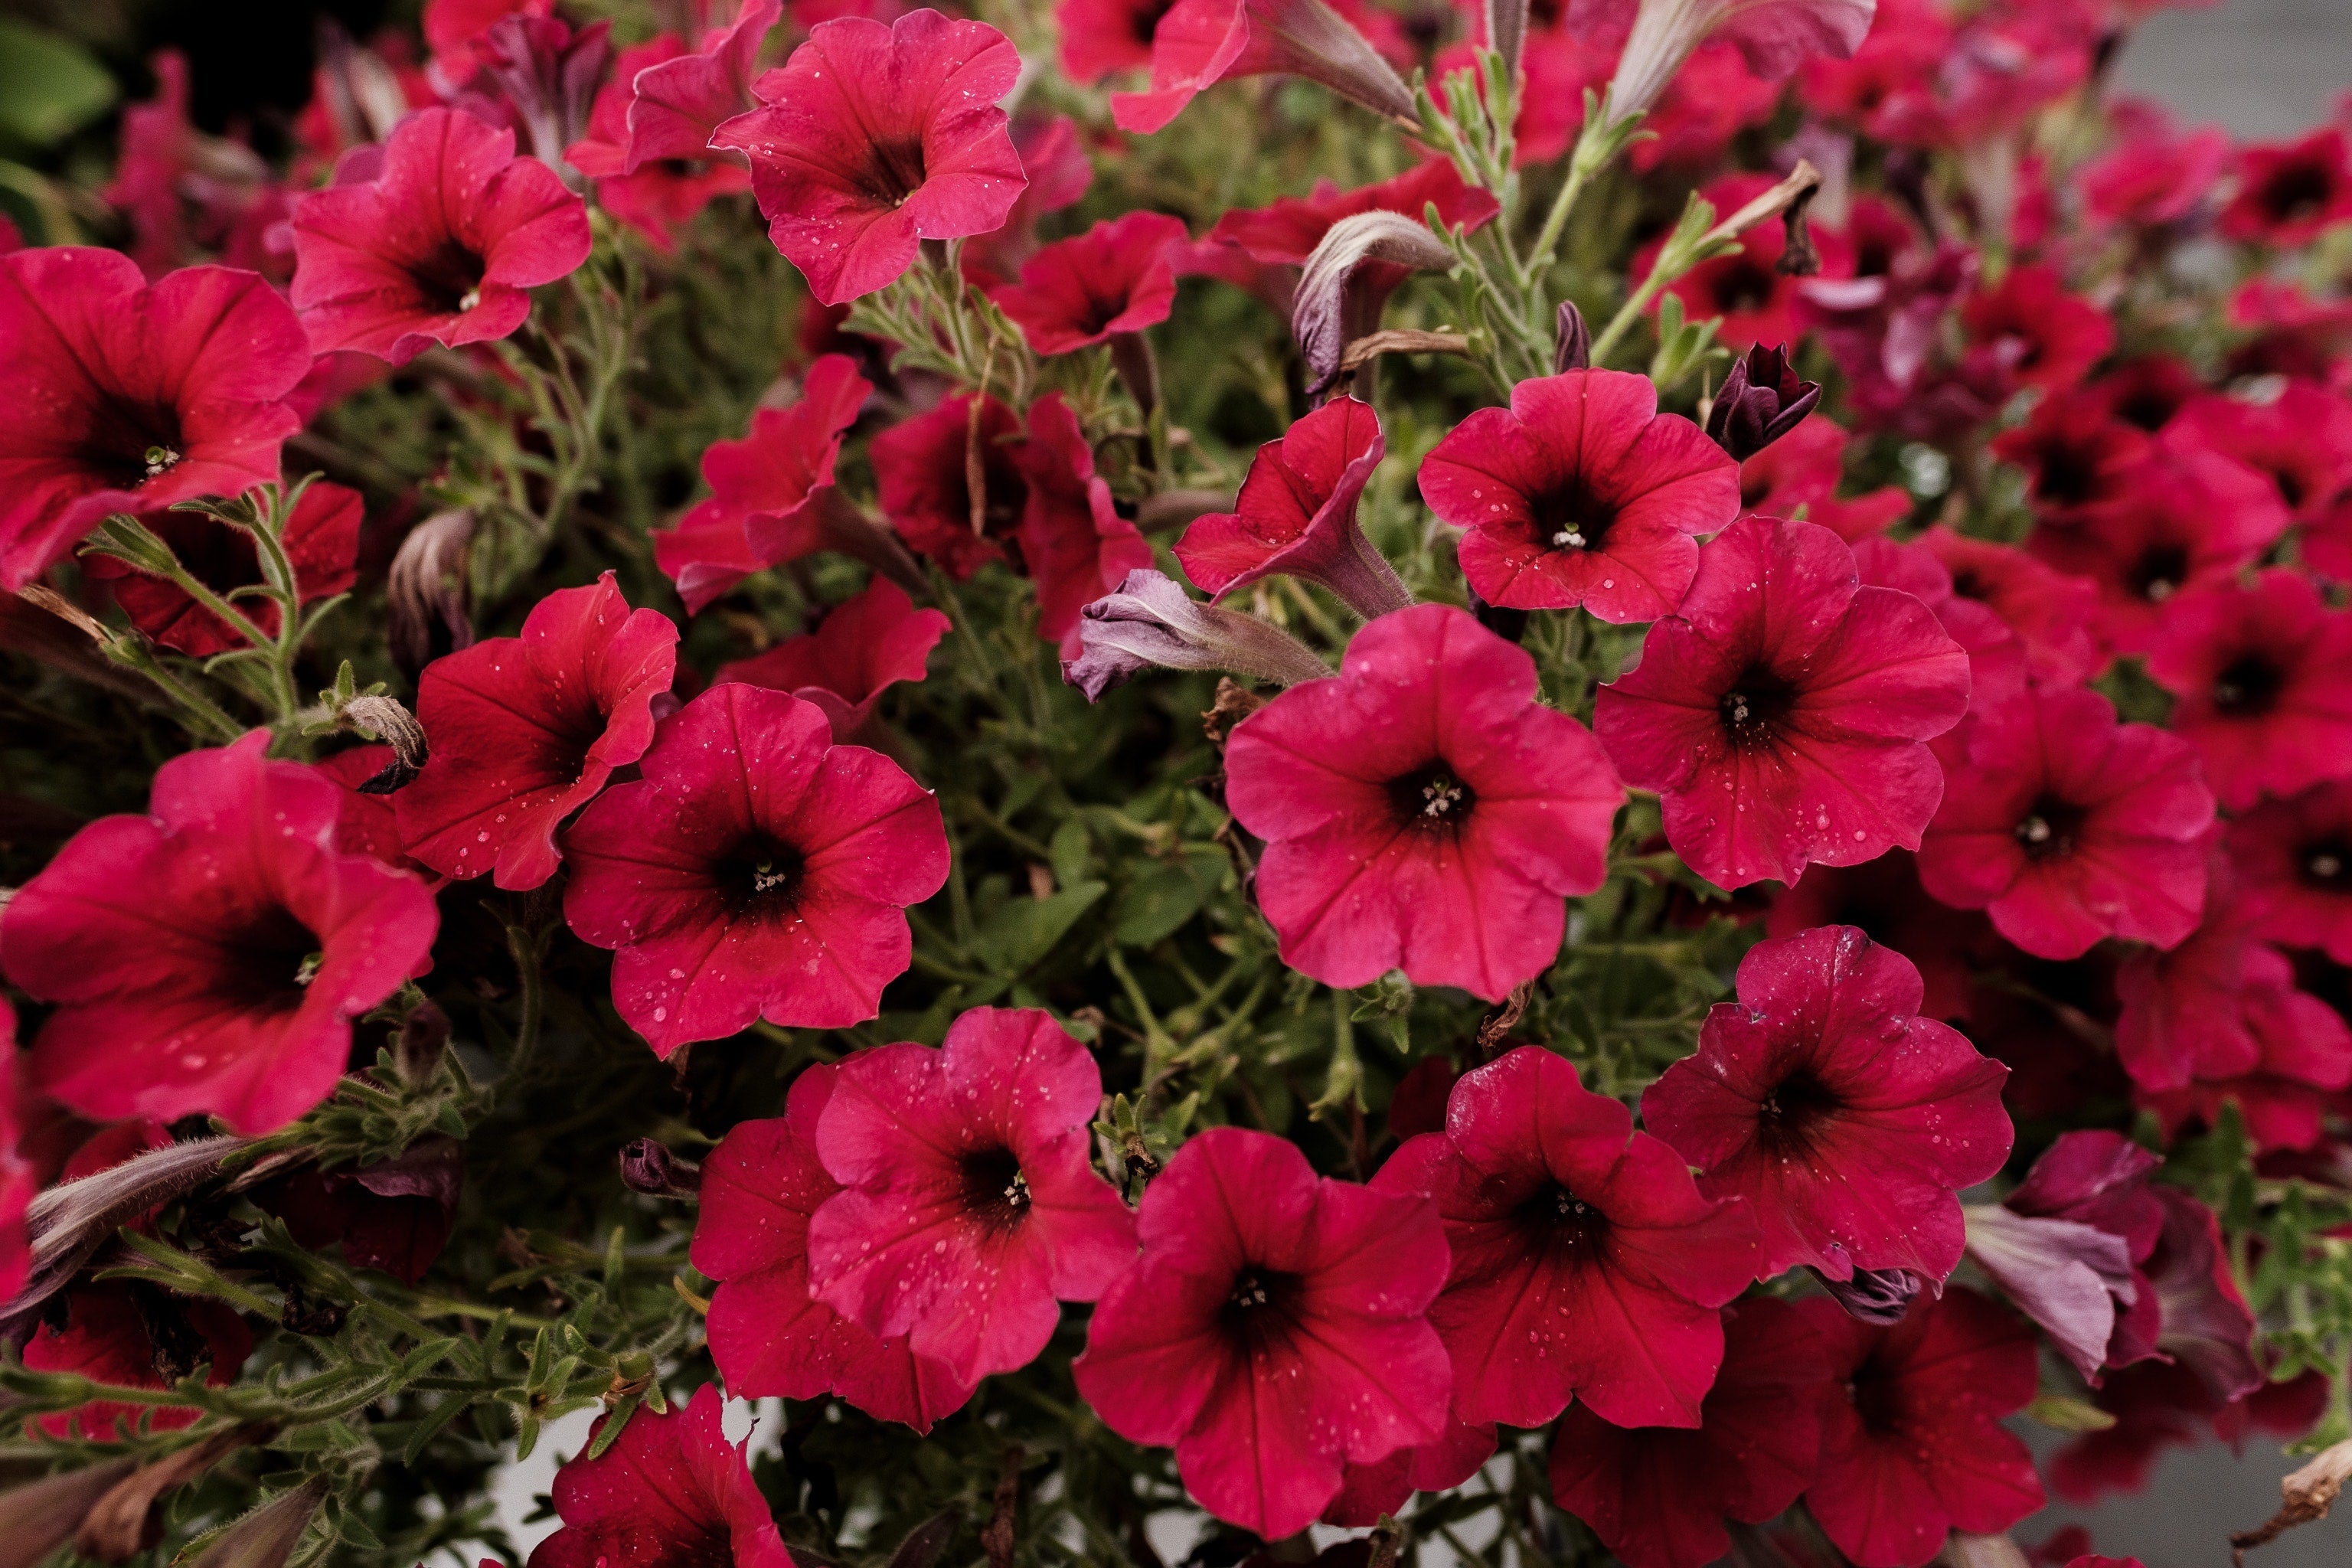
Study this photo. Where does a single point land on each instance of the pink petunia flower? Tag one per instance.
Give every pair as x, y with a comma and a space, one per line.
1998, 662
659, 198
441, 247
1581, 493
862, 647
2294, 861
758, 870
2079, 459
525, 730
2179, 1015
1074, 543
2288, 192
1199, 43
1918, 1450
1274, 1329
769, 1332
2304, 1054
1805, 468
871, 139
2054, 336
1422, 810
1849, 1122
211, 956
2259, 674
1119, 277
1782, 712
1296, 515
104, 1336
2301, 440
1285, 232
671, 1490
1101, 36
322, 542
2052, 613
924, 470
970, 1207
1884, 900
677, 106
128, 397
2155, 176
769, 491
1657, 1496
1586, 1263
2066, 827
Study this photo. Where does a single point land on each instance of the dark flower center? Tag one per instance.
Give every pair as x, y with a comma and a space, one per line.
1787, 1117
1432, 798
1755, 705
2049, 829
1145, 18
895, 172
270, 962
2158, 573
1555, 1212
2068, 476
2297, 191
2249, 685
1877, 1400
1966, 584
994, 1188
2291, 488
450, 277
2147, 408
1101, 310
1745, 284
2326, 863
1572, 517
762, 876
1004, 493
1257, 1309
127, 443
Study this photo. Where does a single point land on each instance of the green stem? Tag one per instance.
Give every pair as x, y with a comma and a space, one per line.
526, 948
1629, 311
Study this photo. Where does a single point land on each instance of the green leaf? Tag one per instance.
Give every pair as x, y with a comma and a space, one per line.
1155, 905
49, 85
1023, 931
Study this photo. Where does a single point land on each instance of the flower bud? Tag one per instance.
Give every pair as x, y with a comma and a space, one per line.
1761, 401
550, 75
267, 1537
650, 1168
1150, 620
423, 1036
1572, 341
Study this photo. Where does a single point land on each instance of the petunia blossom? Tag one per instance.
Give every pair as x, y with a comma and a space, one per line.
1581, 493
1119, 277
1274, 1329
1424, 811
1199, 43
862, 647
2290, 191
1884, 900
1781, 713
2294, 861
2065, 826
873, 138
2303, 1054
1918, 1450
769, 489
675, 106
321, 541
2099, 1179
925, 468
525, 730
1295, 515
1586, 1261
2179, 1015
656, 198
1805, 468
757, 870
2258, 671
212, 954
1074, 543
2301, 440
769, 1332
2051, 613
971, 1207
2048, 336
1657, 1496
2078, 458
104, 1333
1849, 1122
441, 247
127, 396
671, 1490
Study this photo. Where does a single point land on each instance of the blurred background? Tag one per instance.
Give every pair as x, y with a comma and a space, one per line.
2261, 69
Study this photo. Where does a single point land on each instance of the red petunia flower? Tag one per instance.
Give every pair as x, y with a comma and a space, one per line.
128, 397
322, 542
970, 1207
105, 1337
2146, 391
1274, 1329
1586, 1263
1781, 713
1756, 300
1287, 232
2304, 1053
2078, 458
2155, 176
2051, 337
2095, 1182
677, 106
2259, 672
1198, 43
525, 730
2179, 1015
1117, 277
769, 1333
1804, 468
1581, 493
1998, 662
769, 491
211, 956
1849, 1122
671, 1490
757, 872
2301, 440
1055, 163
2066, 827
2051, 613
2294, 861
394, 1214
1101, 36
1072, 541
1919, 1451
186, 193
1657, 1496
1296, 515
1884, 900
871, 139
1424, 811
862, 647
657, 199
923, 470
2191, 519
2288, 192
443, 246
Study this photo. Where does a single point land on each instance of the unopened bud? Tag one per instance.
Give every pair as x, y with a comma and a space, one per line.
38, 1517
1761, 401
267, 1537
1151, 620
423, 1036
650, 1168
1572, 343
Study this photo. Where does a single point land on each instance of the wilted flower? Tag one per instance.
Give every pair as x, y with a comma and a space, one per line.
1199, 43
1774, 38
1151, 622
